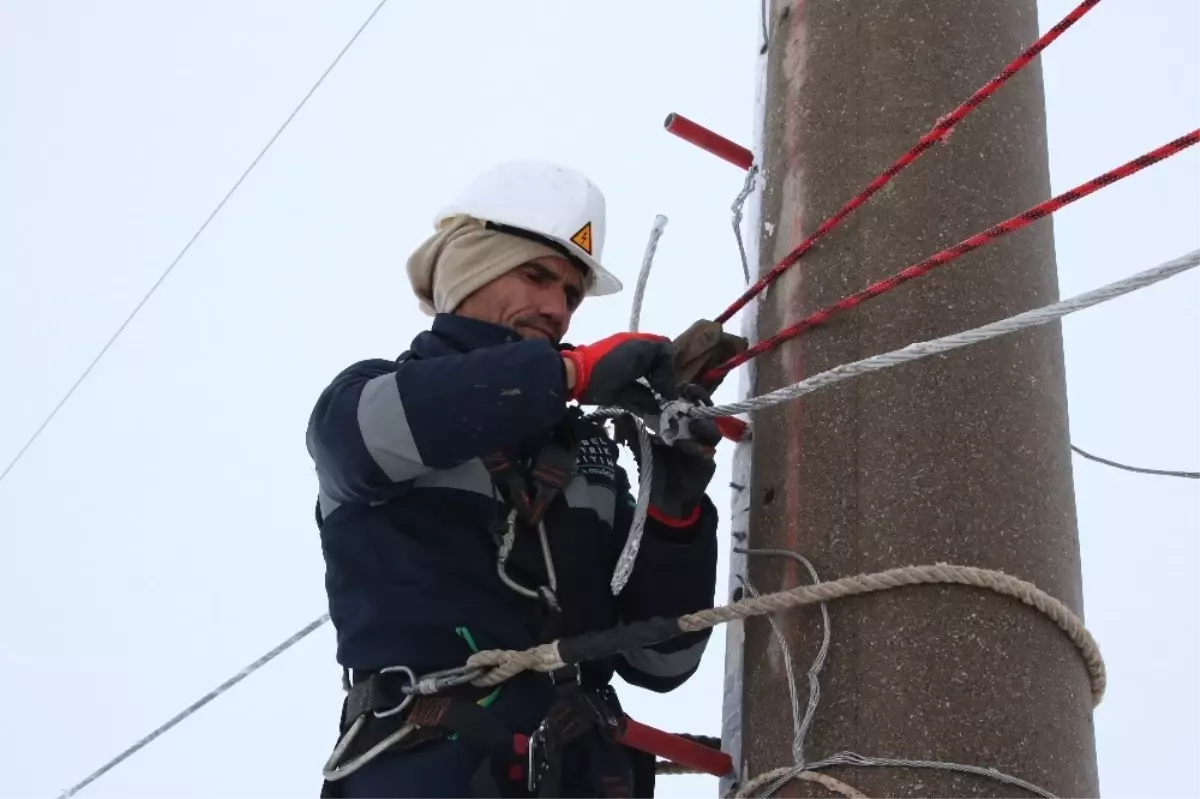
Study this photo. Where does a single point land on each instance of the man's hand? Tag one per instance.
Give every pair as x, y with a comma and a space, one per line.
678, 483
680, 472
606, 373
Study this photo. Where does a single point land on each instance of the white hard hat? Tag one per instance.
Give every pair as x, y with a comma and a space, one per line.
545, 199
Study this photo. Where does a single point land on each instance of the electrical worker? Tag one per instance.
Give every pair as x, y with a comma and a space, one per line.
431, 466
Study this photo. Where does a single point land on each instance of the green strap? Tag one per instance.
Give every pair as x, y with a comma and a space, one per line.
465, 634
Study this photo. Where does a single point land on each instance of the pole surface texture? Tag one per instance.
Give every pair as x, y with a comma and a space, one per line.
962, 459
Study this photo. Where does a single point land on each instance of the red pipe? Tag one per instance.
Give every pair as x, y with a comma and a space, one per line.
732, 428
676, 749
705, 139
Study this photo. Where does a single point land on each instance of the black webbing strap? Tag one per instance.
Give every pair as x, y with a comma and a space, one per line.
551, 470
504, 752
434, 718
606, 643
581, 731
377, 692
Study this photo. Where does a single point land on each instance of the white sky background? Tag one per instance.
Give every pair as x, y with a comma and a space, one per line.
159, 535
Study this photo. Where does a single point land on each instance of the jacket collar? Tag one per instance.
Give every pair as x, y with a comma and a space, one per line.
452, 334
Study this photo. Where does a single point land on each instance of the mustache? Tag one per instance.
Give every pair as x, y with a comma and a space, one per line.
540, 322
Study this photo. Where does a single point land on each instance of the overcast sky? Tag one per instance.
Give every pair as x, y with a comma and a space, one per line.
159, 535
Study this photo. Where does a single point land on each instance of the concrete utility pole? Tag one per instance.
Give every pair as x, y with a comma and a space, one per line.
961, 459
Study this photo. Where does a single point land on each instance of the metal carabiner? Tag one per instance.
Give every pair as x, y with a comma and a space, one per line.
505, 549
437, 681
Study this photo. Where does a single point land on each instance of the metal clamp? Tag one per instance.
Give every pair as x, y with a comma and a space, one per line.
534, 767
437, 681
568, 673
675, 422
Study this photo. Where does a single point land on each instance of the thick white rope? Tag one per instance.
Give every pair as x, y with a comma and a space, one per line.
498, 665
925, 349
989, 579
770, 782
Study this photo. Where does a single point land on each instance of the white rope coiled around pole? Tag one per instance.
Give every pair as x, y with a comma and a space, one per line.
500, 665
768, 783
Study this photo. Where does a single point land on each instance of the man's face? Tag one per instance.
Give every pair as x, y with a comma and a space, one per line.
537, 299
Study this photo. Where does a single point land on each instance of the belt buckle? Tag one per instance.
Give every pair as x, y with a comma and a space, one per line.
567, 673
602, 707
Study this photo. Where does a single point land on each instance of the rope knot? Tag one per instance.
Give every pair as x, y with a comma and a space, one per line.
499, 665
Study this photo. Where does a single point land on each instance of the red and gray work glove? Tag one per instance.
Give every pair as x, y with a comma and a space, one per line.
606, 373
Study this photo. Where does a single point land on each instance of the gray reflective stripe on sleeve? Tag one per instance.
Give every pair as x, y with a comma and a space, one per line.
385, 430
579, 493
326, 503
671, 664
471, 476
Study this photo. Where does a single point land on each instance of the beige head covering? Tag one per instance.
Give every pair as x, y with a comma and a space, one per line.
462, 257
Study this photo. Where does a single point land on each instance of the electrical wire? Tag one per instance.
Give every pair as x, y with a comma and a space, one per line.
1138, 469
170, 267
292, 640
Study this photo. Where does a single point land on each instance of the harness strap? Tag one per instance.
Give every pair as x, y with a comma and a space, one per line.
433, 718
551, 468
584, 729
551, 471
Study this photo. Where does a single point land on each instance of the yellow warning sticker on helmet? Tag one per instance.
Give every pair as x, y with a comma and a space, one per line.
583, 238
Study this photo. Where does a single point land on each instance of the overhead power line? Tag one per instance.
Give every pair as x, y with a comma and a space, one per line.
199, 703
191, 241
1138, 469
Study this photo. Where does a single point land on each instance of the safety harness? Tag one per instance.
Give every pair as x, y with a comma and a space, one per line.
384, 711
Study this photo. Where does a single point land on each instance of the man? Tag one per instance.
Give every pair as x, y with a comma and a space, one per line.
464, 505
